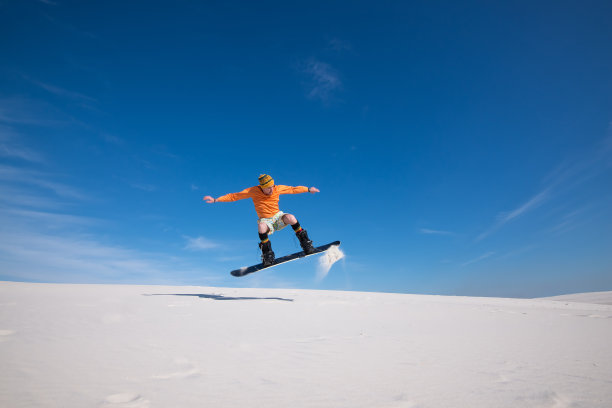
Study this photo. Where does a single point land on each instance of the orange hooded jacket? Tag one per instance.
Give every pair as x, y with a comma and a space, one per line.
265, 205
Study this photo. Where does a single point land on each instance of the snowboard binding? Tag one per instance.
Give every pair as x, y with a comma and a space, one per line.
267, 255
305, 242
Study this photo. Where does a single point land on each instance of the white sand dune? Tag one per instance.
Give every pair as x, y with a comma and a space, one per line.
602, 298
154, 346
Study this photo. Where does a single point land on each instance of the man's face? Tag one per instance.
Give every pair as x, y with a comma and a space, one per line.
268, 190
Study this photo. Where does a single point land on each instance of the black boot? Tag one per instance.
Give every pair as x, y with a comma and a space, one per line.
305, 242
267, 255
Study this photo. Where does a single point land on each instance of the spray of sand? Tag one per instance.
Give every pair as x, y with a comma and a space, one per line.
330, 257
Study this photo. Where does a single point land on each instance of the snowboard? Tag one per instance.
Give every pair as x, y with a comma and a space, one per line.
250, 269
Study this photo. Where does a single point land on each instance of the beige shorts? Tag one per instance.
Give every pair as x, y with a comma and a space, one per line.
274, 223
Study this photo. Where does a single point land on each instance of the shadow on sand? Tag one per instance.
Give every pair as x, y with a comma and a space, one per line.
220, 297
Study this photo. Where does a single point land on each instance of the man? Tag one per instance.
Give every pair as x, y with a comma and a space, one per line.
265, 196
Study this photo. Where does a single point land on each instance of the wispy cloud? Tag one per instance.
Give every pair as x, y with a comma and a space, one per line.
200, 244
144, 187
324, 80
7, 150
505, 217
52, 218
531, 204
562, 180
572, 173
58, 91
517, 252
10, 146
427, 231
577, 218
162, 150
11, 174
18, 110
480, 258
44, 237
112, 139
69, 27
46, 257
337, 44
16, 197
53, 245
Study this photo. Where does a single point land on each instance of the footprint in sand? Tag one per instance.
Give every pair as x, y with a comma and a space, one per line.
125, 400
6, 333
548, 399
505, 372
402, 401
186, 370
506, 311
592, 316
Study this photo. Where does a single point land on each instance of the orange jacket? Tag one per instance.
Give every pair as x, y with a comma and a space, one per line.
265, 205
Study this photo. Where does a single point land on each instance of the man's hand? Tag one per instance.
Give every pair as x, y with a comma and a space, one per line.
313, 190
209, 199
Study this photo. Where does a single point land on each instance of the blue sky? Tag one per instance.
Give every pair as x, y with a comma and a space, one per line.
460, 147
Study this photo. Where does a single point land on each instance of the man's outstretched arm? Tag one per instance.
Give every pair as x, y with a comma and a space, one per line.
246, 193
296, 190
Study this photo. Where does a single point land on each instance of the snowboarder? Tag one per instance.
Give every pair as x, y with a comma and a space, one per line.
265, 197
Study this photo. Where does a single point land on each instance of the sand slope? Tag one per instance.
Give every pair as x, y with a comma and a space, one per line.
153, 346
602, 298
